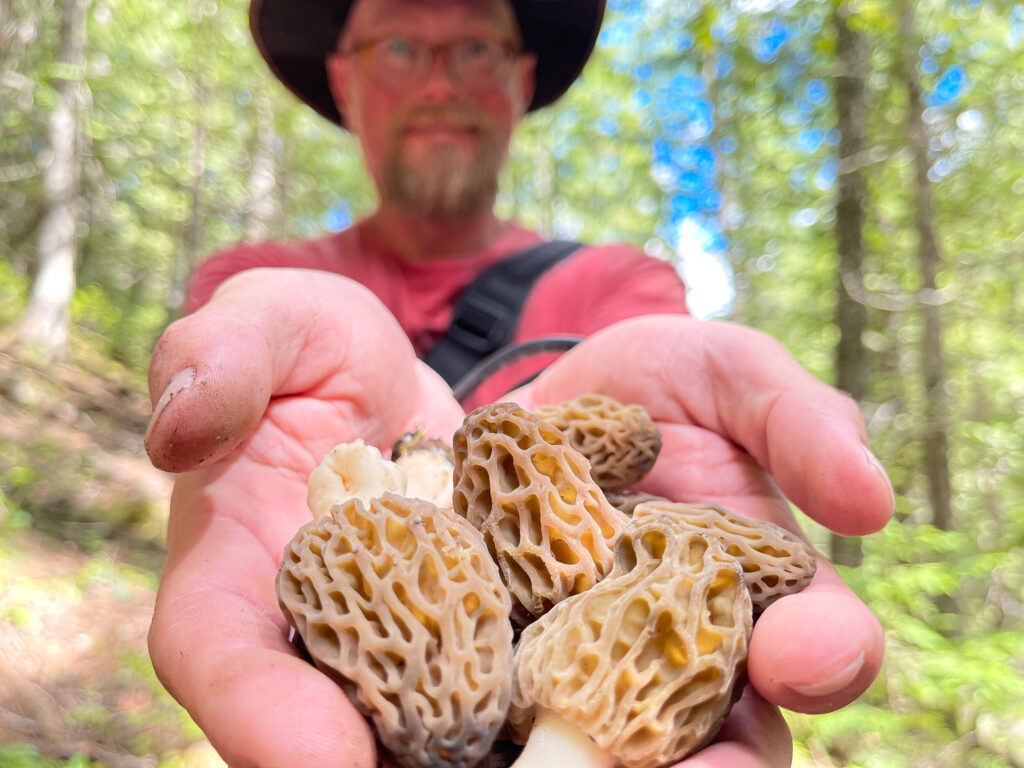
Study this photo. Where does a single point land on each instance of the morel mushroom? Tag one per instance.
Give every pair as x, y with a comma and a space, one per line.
627, 501
620, 441
351, 471
546, 523
643, 668
402, 606
775, 562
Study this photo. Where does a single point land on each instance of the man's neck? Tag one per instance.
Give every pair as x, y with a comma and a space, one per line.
419, 239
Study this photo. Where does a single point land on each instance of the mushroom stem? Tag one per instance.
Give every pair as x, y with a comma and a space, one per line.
554, 741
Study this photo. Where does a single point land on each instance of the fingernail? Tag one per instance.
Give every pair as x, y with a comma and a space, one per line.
180, 381
877, 466
834, 683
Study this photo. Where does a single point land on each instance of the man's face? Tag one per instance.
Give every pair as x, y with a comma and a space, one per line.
434, 144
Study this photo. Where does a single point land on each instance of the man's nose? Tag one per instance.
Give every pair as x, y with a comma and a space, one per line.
439, 85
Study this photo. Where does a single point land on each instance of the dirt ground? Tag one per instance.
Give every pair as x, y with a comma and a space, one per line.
82, 514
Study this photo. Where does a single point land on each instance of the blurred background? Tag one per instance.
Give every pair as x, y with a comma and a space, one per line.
847, 175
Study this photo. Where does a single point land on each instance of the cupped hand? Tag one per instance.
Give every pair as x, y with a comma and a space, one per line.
745, 427
281, 365
249, 393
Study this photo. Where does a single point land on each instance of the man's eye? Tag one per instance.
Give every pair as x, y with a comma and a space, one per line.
477, 48
398, 48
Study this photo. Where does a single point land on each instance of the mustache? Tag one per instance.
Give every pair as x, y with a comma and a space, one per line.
456, 114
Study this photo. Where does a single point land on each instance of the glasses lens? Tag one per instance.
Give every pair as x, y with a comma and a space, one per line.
402, 63
397, 60
478, 64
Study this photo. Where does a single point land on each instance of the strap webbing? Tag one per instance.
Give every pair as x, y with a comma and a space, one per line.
487, 312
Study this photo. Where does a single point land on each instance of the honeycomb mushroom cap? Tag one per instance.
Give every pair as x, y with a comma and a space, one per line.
502, 755
627, 501
546, 523
621, 442
402, 605
775, 561
649, 662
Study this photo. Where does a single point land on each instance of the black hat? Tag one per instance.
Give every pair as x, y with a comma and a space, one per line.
295, 37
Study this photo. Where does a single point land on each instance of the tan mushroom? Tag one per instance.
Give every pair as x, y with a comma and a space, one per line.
627, 501
620, 441
642, 669
546, 523
351, 471
775, 562
401, 604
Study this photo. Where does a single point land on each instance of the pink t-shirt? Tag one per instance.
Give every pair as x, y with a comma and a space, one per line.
592, 288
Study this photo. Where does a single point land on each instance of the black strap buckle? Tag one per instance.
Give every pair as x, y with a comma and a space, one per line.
480, 323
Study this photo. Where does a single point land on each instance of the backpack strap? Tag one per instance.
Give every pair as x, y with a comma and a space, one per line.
486, 314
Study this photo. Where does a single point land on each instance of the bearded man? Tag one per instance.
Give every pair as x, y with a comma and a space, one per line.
290, 348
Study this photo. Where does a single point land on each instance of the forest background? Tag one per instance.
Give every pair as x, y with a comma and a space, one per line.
847, 175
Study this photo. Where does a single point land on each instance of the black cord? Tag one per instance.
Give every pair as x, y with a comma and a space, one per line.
505, 356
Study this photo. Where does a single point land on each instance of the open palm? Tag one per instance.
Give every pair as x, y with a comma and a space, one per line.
251, 391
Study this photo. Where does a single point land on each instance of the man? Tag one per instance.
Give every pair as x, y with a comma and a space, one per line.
276, 364
433, 91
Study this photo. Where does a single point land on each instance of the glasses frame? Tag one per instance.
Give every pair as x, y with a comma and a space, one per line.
364, 50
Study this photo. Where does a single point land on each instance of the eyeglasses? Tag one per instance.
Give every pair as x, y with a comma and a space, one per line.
401, 63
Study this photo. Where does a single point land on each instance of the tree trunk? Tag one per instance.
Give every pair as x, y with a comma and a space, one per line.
262, 207
192, 234
935, 430
45, 324
851, 313
544, 189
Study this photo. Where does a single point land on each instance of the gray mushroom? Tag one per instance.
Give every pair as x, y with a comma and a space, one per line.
400, 603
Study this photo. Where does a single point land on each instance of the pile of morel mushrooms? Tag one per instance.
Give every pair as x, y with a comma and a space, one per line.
509, 590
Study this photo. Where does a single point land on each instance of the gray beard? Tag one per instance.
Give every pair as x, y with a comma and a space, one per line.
447, 189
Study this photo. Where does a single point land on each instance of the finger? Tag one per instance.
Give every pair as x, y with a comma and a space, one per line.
256, 701
817, 650
755, 735
274, 333
696, 466
218, 640
742, 385
755, 729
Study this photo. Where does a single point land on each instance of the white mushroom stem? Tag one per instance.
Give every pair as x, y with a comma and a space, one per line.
554, 742
429, 475
352, 471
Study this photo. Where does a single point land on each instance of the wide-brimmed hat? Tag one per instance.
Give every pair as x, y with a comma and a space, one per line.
295, 37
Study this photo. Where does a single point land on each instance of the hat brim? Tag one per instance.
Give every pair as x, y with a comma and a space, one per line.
295, 37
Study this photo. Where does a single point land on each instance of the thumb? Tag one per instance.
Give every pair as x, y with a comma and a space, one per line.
269, 333
210, 380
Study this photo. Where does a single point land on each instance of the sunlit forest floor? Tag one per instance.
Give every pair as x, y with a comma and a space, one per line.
81, 526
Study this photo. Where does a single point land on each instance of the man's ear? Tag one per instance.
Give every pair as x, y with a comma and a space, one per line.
527, 78
337, 80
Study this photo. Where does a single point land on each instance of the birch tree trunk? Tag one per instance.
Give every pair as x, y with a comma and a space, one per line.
544, 189
192, 230
45, 324
851, 313
262, 208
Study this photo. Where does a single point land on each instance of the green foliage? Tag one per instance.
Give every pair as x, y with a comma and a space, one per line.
13, 293
27, 756
181, 112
